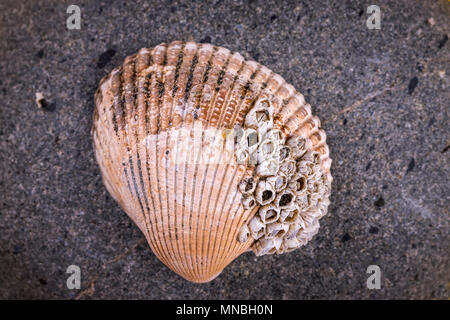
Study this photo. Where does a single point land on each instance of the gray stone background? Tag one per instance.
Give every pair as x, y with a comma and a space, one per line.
383, 97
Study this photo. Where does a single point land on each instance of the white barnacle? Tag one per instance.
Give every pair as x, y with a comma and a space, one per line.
256, 116
316, 172
290, 244
313, 199
284, 153
264, 193
244, 233
304, 168
252, 140
283, 214
302, 201
269, 213
277, 242
285, 199
248, 202
290, 215
304, 235
314, 213
322, 210
298, 145
314, 187
242, 156
263, 246
323, 206
308, 218
287, 167
267, 168
257, 227
279, 182
266, 150
294, 229
275, 135
276, 229
240, 135
265, 103
311, 156
298, 183
247, 186
260, 117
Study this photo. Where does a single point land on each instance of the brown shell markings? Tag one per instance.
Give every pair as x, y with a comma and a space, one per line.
190, 211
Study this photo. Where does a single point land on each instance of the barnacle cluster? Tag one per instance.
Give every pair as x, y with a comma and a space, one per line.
288, 185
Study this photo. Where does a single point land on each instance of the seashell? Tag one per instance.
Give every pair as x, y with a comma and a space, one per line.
162, 125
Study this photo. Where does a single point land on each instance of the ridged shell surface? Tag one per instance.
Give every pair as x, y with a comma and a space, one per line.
190, 211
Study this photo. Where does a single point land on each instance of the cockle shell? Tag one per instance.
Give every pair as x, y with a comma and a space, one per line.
184, 199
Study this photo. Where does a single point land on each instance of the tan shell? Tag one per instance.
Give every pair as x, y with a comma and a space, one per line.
190, 213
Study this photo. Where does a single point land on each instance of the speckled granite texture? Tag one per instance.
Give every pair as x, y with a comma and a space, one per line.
383, 97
